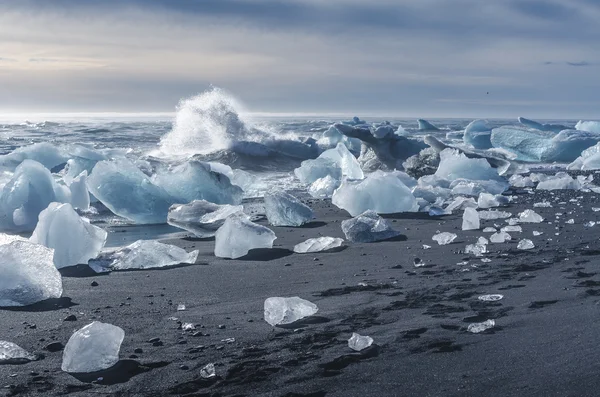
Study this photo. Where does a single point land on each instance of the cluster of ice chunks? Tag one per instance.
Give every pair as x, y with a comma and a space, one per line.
521, 181
381, 192
318, 244
444, 238
477, 249
93, 348
368, 227
283, 209
560, 181
74, 240
238, 236
478, 135
282, 311
28, 274
359, 342
150, 254
11, 353
200, 217
470, 219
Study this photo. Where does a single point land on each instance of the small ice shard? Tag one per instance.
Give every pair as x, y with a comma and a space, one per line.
80, 197
283, 209
188, 327
444, 238
490, 298
542, 204
487, 200
238, 236
425, 125
282, 311
318, 244
536, 233
460, 203
426, 247
525, 244
589, 224
489, 229
501, 237
530, 216
470, 219
486, 260
368, 227
493, 215
570, 221
512, 229
181, 307
521, 181
82, 243
201, 217
14, 354
150, 254
477, 328
93, 348
513, 221
595, 209
476, 249
28, 274
359, 342
483, 241
208, 371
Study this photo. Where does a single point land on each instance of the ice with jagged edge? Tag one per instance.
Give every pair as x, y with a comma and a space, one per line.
323, 187
487, 200
283, 311
93, 348
28, 274
455, 165
200, 217
318, 244
368, 227
470, 220
560, 181
478, 134
80, 196
11, 353
359, 342
44, 153
283, 209
345, 160
500, 237
588, 160
542, 127
382, 192
444, 238
238, 236
530, 216
150, 254
82, 242
425, 125
525, 244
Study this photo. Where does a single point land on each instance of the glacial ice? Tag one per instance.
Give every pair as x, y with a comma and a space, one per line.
512, 229
525, 244
80, 197
345, 160
477, 328
487, 200
201, 217
425, 125
312, 170
82, 243
359, 342
381, 192
490, 297
444, 238
500, 237
460, 203
476, 249
455, 165
318, 244
28, 274
238, 236
368, 227
470, 219
542, 127
493, 215
282, 311
208, 371
150, 254
530, 216
323, 187
478, 134
560, 181
44, 153
590, 126
589, 159
283, 209
520, 181
93, 348
11, 353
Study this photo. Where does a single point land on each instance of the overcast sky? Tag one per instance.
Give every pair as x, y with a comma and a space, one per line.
535, 58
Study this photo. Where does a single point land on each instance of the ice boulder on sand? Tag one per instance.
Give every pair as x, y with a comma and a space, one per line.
530, 216
487, 200
27, 274
238, 236
444, 238
14, 354
318, 244
150, 254
282, 311
283, 209
359, 342
74, 240
368, 227
312, 170
381, 192
201, 217
93, 348
470, 219
345, 160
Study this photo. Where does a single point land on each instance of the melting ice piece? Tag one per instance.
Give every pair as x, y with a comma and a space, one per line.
28, 274
536, 233
501, 237
312, 170
281, 311
150, 254
490, 298
82, 243
201, 217
208, 371
283, 209
80, 197
323, 187
456, 165
487, 200
476, 249
530, 216
542, 204
560, 181
520, 181
368, 227
94, 347
477, 134
346, 161
238, 236
470, 219
525, 244
359, 342
477, 328
489, 229
512, 229
570, 221
14, 354
318, 244
589, 224
483, 241
444, 238
461, 203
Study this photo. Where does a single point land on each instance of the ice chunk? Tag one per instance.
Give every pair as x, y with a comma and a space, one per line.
476, 249
589, 224
82, 243
487, 200
282, 311
128, 192
368, 227
208, 371
477, 328
283, 209
455, 165
238, 236
590, 126
483, 241
312, 170
475, 188
318, 244
525, 244
358, 342
9, 238
530, 216
425, 125
493, 215
93, 348
520, 181
560, 181
460, 203
500, 237
27, 274
512, 229
150, 254
489, 229
44, 153
536, 233
542, 204
381, 192
478, 134
444, 238
345, 160
323, 187
542, 127
14, 354
201, 217
80, 197
470, 219
490, 298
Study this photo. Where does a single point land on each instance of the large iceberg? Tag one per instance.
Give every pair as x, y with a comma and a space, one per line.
150, 254
283, 209
478, 135
368, 227
93, 348
27, 274
238, 236
282, 311
74, 240
201, 217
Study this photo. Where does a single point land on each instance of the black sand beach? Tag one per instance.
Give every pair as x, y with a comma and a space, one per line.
544, 342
